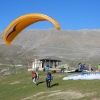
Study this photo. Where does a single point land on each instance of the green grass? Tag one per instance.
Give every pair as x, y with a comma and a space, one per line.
21, 87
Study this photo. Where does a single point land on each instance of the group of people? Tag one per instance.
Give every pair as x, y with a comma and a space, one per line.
82, 67
49, 77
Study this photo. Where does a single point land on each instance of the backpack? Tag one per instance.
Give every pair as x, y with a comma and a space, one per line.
34, 75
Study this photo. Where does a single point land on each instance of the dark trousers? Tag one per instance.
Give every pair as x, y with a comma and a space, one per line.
48, 83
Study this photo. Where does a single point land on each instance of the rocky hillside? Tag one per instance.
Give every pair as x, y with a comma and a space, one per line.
66, 45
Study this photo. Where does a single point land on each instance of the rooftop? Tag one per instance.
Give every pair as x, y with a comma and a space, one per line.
50, 59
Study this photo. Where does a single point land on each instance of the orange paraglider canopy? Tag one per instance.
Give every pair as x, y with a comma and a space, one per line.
24, 21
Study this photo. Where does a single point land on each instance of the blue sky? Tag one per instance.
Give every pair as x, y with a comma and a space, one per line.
71, 14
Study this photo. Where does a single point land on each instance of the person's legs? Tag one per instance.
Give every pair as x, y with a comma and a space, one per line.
34, 80
37, 75
49, 83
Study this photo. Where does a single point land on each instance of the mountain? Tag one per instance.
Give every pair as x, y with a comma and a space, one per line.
69, 46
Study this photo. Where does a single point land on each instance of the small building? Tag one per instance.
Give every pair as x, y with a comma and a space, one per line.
36, 63
53, 63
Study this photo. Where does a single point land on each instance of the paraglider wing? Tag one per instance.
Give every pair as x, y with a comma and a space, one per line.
24, 21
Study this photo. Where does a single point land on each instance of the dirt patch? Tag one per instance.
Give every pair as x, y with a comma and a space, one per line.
16, 82
30, 97
63, 95
96, 99
58, 95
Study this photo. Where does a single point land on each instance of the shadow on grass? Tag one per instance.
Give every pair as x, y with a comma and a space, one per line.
40, 82
55, 84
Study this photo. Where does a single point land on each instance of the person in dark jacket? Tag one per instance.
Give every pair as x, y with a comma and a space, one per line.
48, 79
82, 68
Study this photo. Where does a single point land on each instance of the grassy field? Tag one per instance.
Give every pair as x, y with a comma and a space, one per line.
21, 87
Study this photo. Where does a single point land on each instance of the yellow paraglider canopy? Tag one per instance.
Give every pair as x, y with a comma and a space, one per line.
24, 21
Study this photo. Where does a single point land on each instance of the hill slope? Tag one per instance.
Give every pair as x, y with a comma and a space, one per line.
67, 45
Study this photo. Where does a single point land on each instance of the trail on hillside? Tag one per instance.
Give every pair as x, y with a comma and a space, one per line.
40, 41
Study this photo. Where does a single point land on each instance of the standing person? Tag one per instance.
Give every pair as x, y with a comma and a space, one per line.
34, 77
62, 69
47, 68
79, 67
44, 68
48, 79
37, 68
99, 67
89, 66
82, 68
